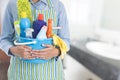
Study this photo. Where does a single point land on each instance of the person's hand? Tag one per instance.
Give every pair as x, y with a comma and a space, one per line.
47, 53
22, 51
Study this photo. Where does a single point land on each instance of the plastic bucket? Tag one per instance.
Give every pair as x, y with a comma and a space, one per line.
35, 44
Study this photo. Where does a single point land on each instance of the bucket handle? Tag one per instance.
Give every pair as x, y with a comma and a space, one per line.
24, 43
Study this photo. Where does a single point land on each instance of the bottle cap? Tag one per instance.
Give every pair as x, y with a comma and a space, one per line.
23, 15
49, 20
40, 17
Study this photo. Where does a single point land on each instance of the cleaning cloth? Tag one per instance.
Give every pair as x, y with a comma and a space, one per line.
59, 42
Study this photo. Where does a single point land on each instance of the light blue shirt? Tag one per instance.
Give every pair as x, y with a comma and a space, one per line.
8, 32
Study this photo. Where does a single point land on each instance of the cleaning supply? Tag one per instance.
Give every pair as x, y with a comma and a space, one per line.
17, 28
59, 42
42, 33
38, 24
24, 5
28, 32
49, 29
24, 24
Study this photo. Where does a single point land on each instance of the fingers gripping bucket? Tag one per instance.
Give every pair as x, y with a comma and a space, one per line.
35, 44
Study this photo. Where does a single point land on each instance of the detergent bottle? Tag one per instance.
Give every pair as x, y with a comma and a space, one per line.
24, 24
38, 24
49, 29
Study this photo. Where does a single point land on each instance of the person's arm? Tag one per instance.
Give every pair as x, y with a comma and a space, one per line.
63, 22
7, 35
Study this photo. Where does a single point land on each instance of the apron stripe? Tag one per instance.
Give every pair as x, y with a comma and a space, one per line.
29, 71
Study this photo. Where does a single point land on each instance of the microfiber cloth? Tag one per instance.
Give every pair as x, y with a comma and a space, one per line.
59, 42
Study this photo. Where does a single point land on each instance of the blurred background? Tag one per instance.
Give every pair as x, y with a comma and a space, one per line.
95, 40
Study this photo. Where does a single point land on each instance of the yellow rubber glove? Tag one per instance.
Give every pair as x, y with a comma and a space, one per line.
59, 42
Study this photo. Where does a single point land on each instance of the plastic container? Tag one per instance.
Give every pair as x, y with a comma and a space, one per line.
36, 45
38, 24
49, 29
24, 23
28, 32
42, 33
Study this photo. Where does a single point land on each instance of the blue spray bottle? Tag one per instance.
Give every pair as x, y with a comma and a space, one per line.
24, 24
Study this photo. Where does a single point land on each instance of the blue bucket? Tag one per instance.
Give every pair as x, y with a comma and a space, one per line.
35, 44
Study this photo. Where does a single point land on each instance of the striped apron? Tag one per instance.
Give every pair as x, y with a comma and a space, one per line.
51, 70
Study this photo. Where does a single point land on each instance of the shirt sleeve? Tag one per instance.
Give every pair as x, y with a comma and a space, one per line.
7, 35
63, 22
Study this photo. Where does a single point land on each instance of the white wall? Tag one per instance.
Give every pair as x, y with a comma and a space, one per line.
111, 14
84, 17
78, 15
96, 14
